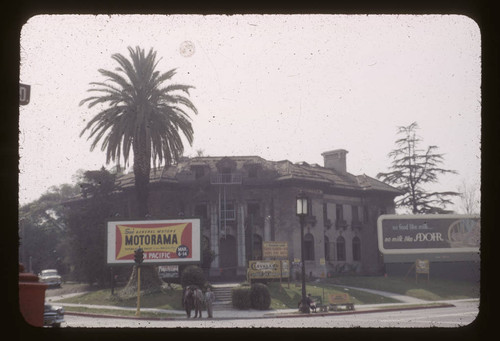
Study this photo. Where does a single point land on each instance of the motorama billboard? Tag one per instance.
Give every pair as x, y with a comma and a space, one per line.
163, 241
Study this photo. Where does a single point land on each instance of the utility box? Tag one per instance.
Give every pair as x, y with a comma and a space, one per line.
31, 298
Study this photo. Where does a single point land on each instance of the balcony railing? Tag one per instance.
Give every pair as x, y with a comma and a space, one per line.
225, 179
227, 215
340, 224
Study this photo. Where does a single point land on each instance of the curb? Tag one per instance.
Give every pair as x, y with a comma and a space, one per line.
270, 315
375, 310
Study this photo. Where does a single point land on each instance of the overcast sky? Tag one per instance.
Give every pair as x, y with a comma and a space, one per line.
277, 86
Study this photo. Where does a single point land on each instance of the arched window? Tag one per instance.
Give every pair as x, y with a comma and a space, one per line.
253, 245
257, 247
356, 249
308, 247
340, 248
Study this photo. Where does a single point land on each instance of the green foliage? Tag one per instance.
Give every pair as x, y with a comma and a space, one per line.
260, 296
193, 275
43, 230
414, 168
87, 227
240, 297
141, 114
207, 254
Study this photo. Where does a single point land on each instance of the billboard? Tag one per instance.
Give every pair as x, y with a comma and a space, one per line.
429, 234
163, 241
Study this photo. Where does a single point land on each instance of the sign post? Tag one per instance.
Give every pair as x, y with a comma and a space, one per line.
421, 267
276, 250
138, 258
138, 311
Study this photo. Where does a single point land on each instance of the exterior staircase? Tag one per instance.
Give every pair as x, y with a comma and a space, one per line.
223, 299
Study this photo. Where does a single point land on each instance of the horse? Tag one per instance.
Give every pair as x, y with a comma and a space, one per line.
193, 300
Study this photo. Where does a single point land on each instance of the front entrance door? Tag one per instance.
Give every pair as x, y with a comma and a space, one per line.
228, 257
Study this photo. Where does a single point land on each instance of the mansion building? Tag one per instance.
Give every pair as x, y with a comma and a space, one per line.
245, 200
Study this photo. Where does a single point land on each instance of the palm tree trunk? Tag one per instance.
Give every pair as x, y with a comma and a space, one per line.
142, 169
142, 193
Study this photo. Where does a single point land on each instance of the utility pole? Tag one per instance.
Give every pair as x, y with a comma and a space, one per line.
138, 258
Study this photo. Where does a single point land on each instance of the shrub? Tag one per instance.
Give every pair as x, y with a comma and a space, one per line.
241, 298
260, 297
193, 275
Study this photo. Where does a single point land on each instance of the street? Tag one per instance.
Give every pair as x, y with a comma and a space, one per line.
462, 314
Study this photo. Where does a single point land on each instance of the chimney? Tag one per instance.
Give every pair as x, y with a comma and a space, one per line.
336, 159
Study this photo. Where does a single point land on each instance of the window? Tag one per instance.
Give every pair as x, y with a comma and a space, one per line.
355, 214
340, 248
339, 219
253, 209
257, 247
356, 249
339, 211
366, 214
327, 249
199, 171
308, 247
253, 245
227, 210
325, 214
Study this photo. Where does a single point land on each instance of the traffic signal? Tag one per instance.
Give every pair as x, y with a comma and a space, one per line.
138, 256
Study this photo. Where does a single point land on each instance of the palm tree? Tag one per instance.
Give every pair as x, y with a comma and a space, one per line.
140, 112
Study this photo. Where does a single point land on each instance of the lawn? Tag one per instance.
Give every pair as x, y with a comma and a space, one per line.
432, 290
170, 299
288, 295
284, 298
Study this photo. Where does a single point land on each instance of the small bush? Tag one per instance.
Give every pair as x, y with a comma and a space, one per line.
193, 275
241, 298
260, 297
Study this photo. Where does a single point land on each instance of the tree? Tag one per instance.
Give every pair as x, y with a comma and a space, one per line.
42, 230
140, 113
469, 198
86, 223
412, 169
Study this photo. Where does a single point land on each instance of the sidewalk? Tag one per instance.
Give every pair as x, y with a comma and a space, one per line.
276, 313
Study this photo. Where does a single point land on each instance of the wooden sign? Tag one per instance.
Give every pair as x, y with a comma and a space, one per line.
275, 250
422, 266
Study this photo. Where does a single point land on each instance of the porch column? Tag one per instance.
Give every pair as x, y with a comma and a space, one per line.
241, 239
214, 236
267, 222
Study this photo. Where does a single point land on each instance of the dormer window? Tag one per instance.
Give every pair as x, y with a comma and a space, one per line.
199, 171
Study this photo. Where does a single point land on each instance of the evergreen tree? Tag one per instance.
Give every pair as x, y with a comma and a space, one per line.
412, 170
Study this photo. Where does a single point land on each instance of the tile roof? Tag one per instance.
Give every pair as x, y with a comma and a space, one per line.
278, 171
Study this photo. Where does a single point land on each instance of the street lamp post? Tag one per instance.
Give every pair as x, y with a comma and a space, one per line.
302, 212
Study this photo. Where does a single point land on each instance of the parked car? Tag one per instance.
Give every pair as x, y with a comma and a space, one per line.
53, 315
50, 277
